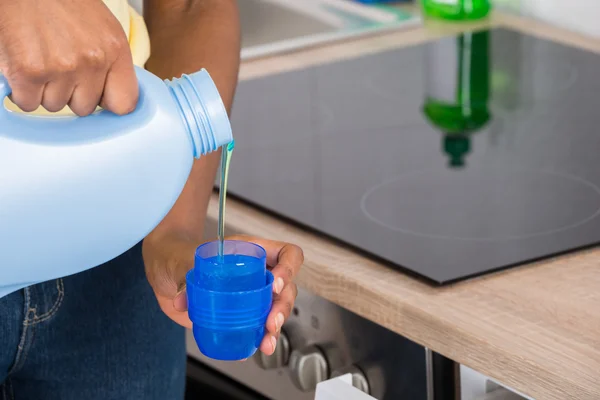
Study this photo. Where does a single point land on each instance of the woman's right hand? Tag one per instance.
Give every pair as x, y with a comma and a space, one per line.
66, 52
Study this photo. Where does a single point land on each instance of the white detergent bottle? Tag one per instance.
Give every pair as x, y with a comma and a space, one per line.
76, 192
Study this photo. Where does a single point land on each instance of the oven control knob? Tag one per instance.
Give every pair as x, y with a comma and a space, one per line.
359, 379
308, 366
279, 358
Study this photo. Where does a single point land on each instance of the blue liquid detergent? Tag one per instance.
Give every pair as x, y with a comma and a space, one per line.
231, 273
225, 160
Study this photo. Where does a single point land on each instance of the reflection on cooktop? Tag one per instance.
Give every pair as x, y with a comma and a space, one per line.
449, 159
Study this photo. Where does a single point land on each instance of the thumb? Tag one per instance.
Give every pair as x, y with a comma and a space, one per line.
121, 89
167, 261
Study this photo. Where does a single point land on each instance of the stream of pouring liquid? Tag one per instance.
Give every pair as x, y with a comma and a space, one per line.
226, 152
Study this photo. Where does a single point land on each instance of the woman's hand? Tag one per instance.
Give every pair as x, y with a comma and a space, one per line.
56, 53
168, 259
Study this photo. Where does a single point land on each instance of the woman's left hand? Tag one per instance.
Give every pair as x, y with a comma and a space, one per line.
168, 260
284, 261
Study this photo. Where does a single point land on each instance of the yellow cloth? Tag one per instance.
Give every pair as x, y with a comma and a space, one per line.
137, 35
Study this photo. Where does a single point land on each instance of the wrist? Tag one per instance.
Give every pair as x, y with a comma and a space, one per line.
162, 236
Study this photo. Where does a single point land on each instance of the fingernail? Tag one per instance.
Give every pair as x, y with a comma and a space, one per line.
278, 286
273, 342
180, 301
279, 321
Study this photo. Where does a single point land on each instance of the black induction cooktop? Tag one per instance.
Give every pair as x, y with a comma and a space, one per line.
449, 159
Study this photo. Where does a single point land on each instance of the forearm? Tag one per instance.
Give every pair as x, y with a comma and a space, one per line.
187, 35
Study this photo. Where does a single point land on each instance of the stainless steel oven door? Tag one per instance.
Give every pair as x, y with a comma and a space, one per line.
322, 340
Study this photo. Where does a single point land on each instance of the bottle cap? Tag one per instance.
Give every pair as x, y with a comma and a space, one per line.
229, 299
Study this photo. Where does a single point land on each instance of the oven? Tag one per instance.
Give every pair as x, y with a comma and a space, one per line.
319, 342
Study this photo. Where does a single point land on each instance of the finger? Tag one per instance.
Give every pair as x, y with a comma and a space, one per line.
180, 302
268, 344
181, 318
280, 312
121, 89
290, 260
281, 309
56, 94
27, 96
87, 95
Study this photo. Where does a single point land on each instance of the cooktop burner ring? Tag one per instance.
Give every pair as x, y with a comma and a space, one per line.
574, 185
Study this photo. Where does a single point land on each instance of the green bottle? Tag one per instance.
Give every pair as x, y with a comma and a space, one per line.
457, 93
458, 10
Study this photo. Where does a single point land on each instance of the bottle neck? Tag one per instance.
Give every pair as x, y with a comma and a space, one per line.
202, 111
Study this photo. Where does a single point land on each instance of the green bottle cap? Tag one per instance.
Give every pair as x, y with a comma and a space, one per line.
457, 146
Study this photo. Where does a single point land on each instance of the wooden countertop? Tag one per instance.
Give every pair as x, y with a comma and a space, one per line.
534, 328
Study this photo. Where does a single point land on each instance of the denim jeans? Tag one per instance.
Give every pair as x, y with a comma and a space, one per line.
95, 335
